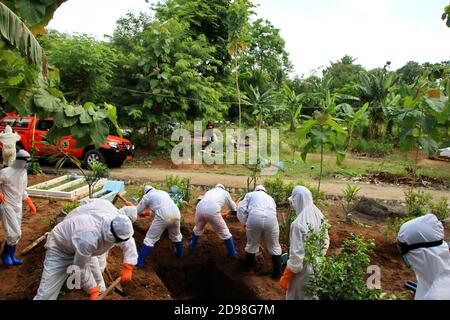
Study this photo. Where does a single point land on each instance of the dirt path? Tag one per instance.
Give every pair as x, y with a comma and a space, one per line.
199, 177
383, 192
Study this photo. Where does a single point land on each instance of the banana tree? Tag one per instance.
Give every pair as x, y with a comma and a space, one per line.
293, 105
27, 87
351, 118
260, 103
374, 87
15, 31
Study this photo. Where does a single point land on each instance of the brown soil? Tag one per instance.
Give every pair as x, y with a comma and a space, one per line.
398, 179
207, 273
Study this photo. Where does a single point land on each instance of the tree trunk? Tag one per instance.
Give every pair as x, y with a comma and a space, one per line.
292, 127
238, 92
321, 166
152, 137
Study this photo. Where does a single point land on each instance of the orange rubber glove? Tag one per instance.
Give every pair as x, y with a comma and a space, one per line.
94, 293
129, 204
286, 278
31, 205
2, 197
126, 273
145, 213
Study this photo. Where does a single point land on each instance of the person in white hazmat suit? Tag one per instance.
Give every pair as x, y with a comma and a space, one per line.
91, 206
258, 212
422, 246
75, 241
166, 216
9, 139
296, 273
13, 182
209, 211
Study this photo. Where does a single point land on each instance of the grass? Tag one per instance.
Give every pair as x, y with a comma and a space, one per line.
56, 184
353, 165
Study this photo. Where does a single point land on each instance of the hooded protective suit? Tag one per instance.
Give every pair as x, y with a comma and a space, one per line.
167, 215
13, 182
307, 215
208, 211
75, 241
258, 212
9, 139
100, 208
430, 264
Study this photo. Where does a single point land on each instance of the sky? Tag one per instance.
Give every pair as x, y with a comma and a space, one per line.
316, 31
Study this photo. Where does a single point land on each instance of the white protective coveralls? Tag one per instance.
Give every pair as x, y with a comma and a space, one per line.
100, 208
307, 215
13, 182
258, 212
9, 139
74, 242
166, 216
208, 211
431, 265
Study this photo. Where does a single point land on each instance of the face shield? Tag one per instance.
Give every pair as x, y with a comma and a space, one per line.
404, 248
22, 160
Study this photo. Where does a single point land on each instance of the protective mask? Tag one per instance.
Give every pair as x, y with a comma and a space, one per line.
406, 261
19, 164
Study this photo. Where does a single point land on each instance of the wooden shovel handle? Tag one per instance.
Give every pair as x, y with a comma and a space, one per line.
110, 288
34, 244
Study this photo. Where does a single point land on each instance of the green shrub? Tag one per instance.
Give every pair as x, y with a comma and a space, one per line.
349, 200
340, 276
441, 209
372, 147
281, 191
417, 202
184, 192
34, 168
69, 206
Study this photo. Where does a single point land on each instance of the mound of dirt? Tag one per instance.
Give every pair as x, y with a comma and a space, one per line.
409, 180
374, 209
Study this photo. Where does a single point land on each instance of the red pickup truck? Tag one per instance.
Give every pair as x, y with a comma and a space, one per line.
113, 152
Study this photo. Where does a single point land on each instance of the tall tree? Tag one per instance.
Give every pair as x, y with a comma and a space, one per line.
172, 77
86, 65
265, 63
238, 25
410, 72
343, 72
446, 15
206, 18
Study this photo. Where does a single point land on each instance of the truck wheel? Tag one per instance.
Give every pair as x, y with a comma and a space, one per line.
93, 156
